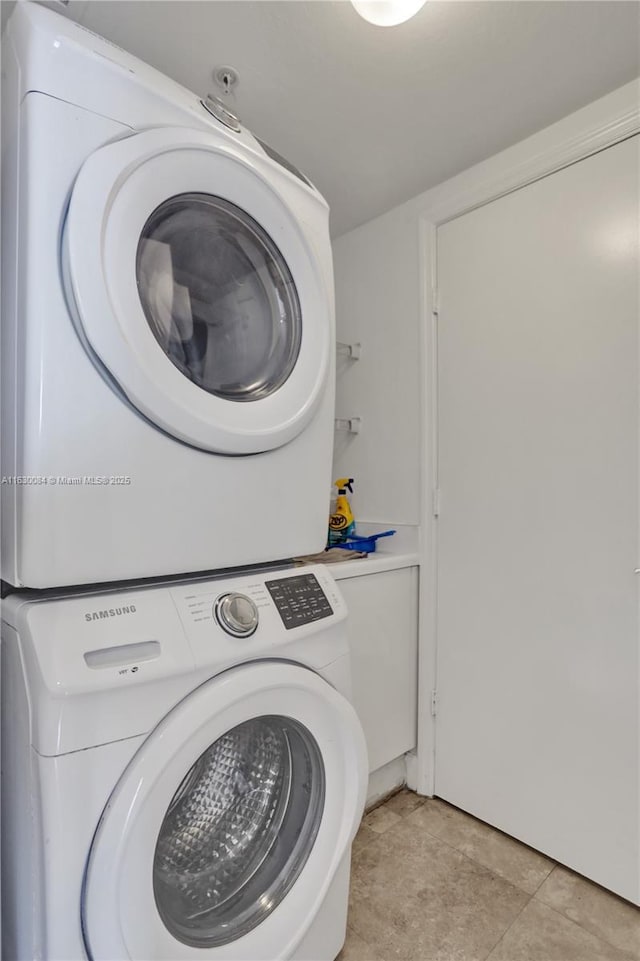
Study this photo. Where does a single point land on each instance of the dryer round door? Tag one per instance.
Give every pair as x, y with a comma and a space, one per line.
226, 829
196, 290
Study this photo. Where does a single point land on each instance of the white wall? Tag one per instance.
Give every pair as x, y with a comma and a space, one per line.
379, 302
377, 282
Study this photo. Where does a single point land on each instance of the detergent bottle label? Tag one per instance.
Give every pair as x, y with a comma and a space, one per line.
339, 523
339, 529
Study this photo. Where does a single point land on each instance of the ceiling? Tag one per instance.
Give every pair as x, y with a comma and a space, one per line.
375, 115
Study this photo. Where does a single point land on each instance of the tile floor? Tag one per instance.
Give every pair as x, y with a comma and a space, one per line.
430, 883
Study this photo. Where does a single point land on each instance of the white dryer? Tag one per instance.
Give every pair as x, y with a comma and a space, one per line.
167, 324
183, 773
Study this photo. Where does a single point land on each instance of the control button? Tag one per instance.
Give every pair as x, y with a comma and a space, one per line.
218, 110
236, 614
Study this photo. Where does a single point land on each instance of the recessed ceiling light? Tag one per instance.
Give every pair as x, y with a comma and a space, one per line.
387, 13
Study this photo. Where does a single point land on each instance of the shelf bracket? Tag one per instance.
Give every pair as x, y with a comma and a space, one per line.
351, 425
352, 351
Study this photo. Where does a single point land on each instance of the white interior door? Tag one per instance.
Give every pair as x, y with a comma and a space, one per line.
538, 707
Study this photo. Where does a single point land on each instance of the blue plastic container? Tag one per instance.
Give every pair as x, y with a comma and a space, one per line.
356, 542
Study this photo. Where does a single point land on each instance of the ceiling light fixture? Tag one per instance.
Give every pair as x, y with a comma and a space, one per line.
387, 13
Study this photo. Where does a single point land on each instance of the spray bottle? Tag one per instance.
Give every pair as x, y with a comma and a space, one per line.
341, 522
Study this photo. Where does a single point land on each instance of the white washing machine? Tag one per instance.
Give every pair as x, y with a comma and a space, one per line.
183, 773
167, 324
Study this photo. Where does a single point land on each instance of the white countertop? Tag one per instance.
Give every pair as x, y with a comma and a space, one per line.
373, 564
395, 552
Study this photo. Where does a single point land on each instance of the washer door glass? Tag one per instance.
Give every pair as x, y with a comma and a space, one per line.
219, 297
238, 831
245, 796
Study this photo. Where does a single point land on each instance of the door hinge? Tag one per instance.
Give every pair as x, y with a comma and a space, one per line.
435, 501
434, 703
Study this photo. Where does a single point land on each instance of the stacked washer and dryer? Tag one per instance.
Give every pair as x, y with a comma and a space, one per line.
182, 771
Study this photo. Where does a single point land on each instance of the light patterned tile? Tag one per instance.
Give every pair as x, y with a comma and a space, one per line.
432, 816
404, 802
355, 949
599, 911
364, 836
380, 819
513, 861
416, 898
541, 934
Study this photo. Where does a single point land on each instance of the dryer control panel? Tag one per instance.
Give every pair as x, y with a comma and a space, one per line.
299, 600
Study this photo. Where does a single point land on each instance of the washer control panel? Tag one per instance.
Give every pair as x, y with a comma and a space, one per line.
236, 614
299, 600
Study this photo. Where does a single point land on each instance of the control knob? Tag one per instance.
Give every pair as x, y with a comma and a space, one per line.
218, 109
236, 614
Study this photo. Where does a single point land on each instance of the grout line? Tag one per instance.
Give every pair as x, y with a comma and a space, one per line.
470, 857
544, 880
600, 937
507, 929
485, 867
492, 827
624, 954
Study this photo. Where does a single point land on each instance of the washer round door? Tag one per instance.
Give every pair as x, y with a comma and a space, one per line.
227, 827
197, 292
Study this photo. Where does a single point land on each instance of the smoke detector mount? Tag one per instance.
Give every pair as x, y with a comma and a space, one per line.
226, 78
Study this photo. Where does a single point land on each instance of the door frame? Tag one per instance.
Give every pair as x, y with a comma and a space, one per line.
599, 125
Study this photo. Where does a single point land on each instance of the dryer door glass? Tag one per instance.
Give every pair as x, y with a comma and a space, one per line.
218, 297
238, 831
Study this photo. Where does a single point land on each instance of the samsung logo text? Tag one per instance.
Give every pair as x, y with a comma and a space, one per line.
111, 612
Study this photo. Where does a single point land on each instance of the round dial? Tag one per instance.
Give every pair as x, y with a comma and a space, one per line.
218, 110
236, 614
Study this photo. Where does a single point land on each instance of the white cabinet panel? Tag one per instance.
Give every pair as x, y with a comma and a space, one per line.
383, 633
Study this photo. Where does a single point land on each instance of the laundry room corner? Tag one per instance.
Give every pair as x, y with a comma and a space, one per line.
376, 272
320, 480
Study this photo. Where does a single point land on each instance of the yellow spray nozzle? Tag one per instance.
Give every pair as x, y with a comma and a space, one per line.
346, 483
